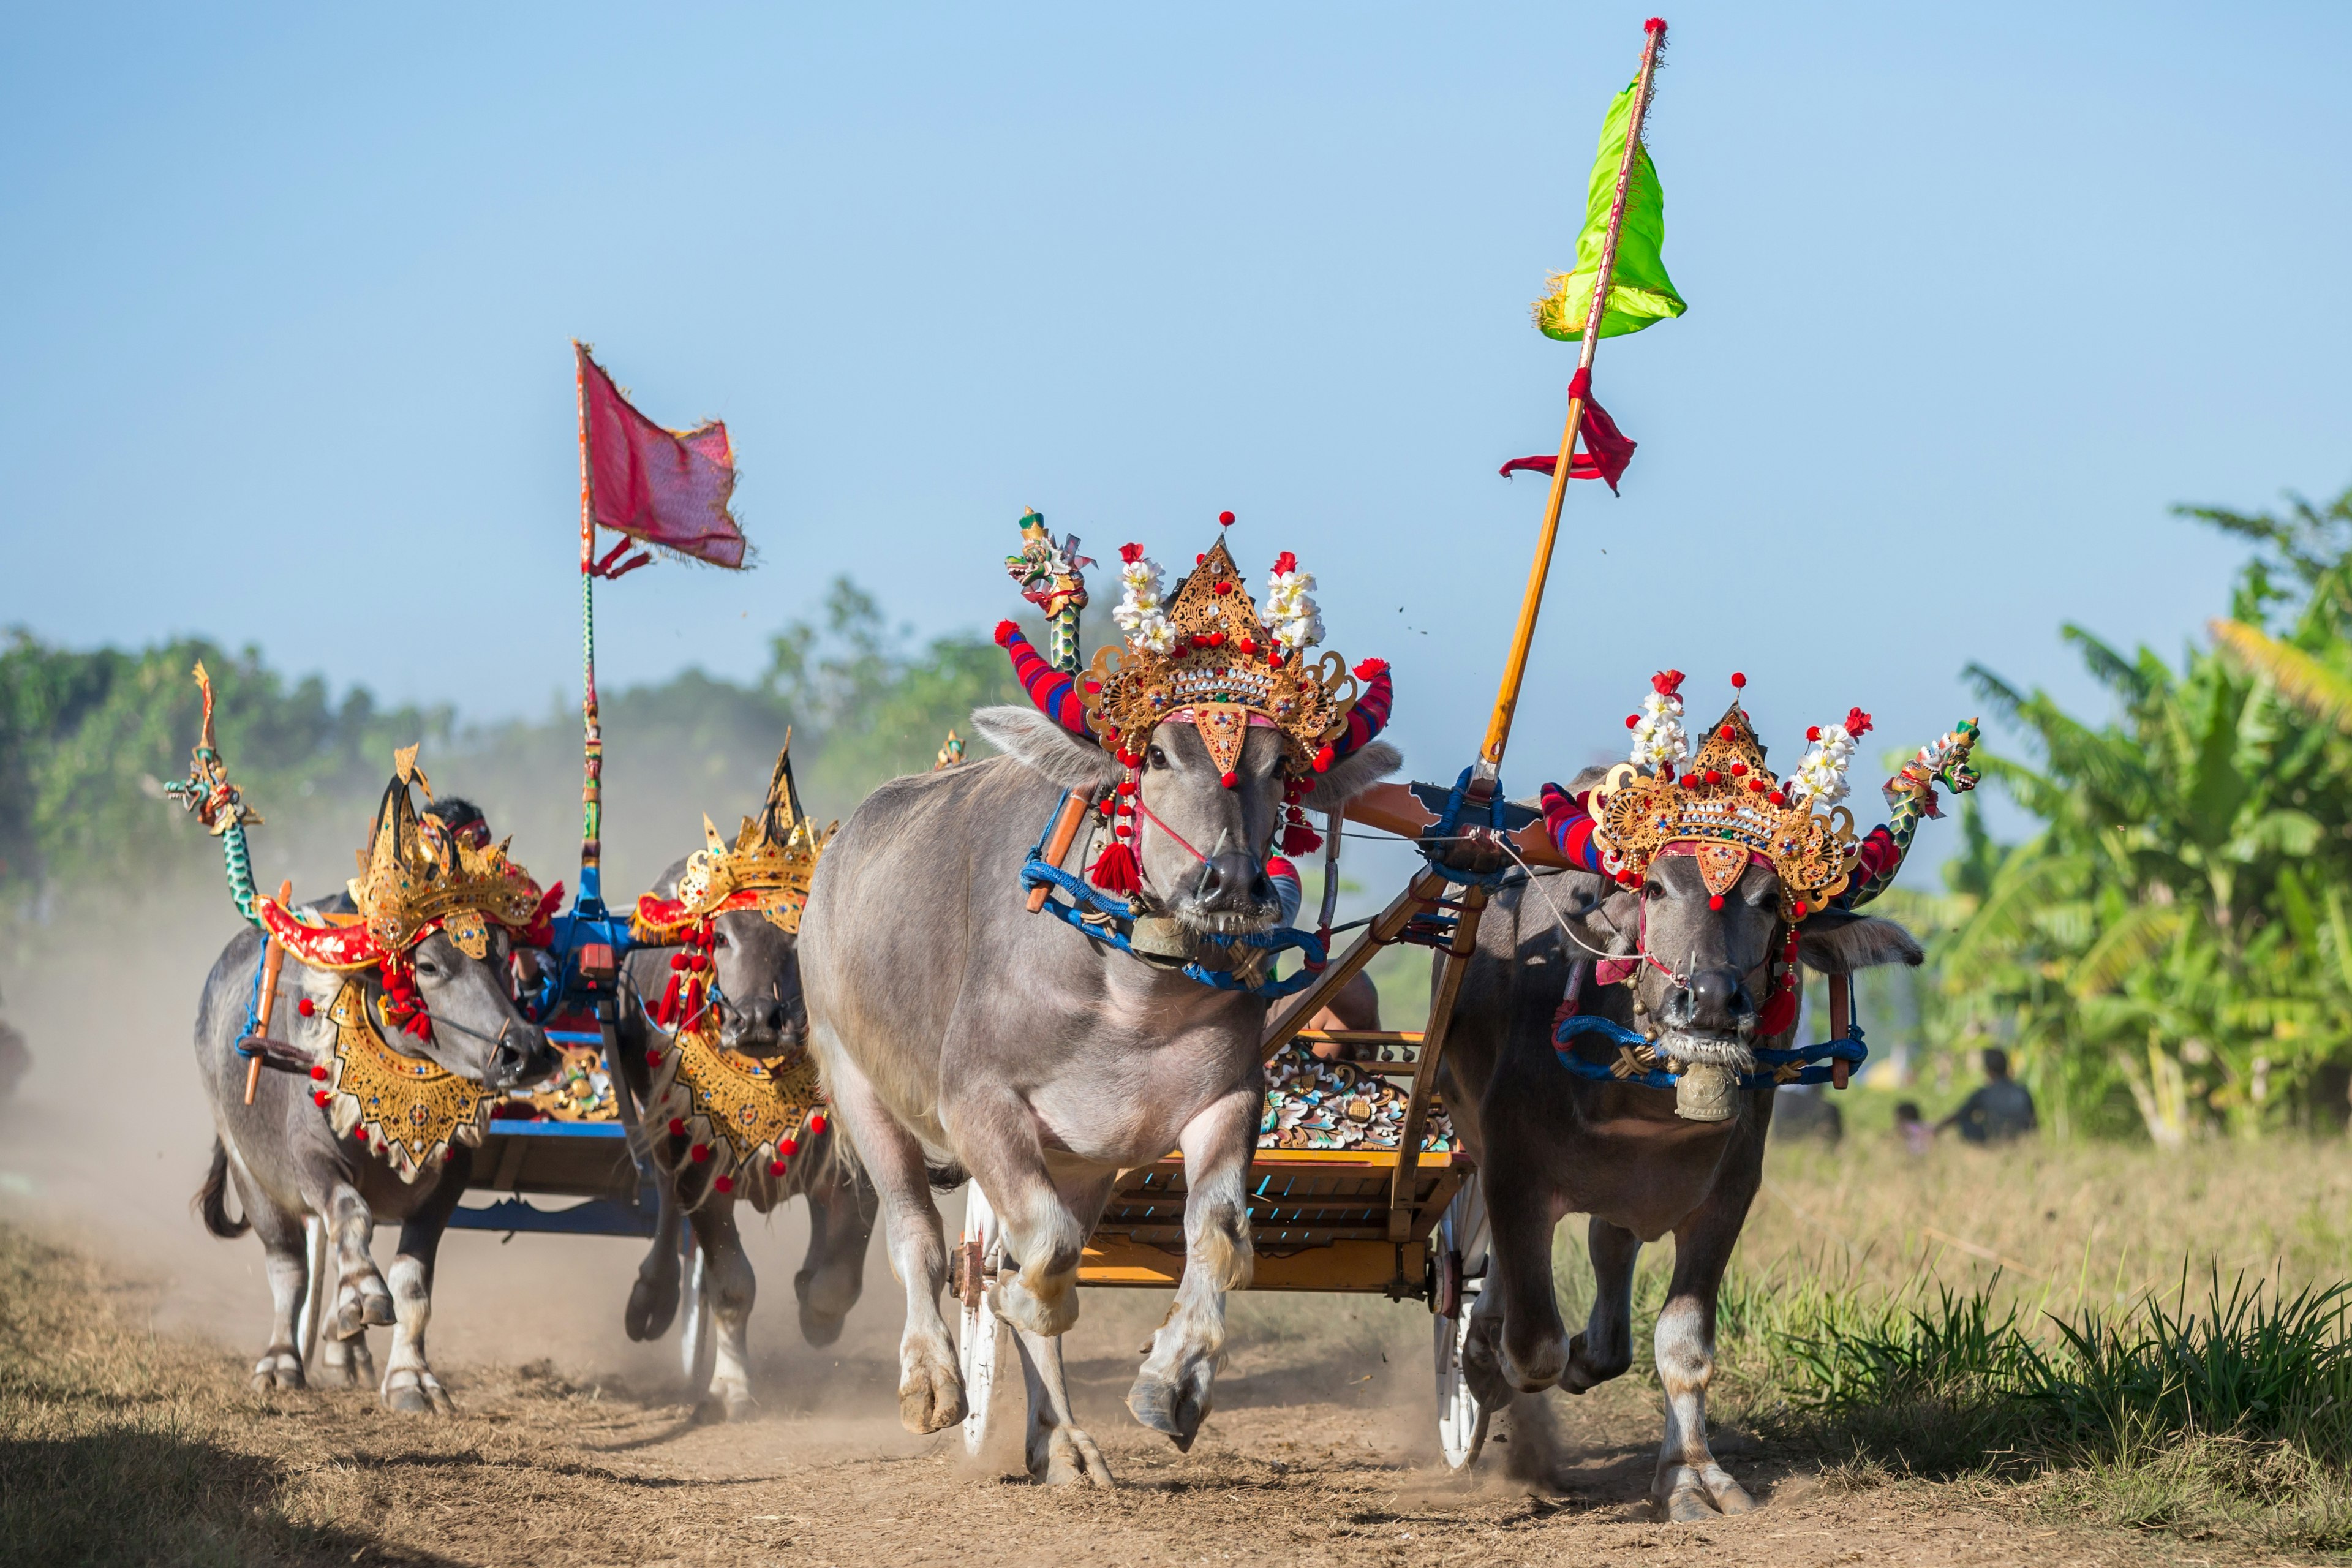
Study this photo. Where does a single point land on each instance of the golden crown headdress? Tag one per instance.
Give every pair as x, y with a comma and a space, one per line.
1207, 655
768, 867
416, 877
1727, 804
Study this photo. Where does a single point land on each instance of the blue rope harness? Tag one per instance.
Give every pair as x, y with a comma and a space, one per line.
253, 1003
1822, 1059
1450, 820
1037, 872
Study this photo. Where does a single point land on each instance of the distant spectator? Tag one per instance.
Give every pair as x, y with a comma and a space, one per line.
1913, 1128
2001, 1110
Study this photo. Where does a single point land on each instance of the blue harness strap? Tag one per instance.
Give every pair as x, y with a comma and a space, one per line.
1037, 872
253, 1001
1821, 1061
1457, 801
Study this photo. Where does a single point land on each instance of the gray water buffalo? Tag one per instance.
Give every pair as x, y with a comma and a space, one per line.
964, 1036
1699, 946
450, 952
760, 1012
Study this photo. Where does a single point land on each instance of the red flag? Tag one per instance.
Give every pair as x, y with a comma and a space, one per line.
1607, 449
668, 488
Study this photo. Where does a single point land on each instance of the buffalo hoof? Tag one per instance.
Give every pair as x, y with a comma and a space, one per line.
1532, 1368
347, 1363
277, 1370
1586, 1371
653, 1303
361, 1307
1070, 1458
1688, 1494
930, 1397
1481, 1364
1048, 1314
1173, 1409
412, 1391
720, 1406
821, 1329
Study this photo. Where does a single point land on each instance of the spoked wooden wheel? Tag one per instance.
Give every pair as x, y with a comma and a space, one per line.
697, 1348
1459, 1242
974, 1264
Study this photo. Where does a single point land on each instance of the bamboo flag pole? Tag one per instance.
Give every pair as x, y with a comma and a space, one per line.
592, 787
1515, 669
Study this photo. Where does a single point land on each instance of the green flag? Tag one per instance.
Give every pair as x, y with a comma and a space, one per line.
1640, 292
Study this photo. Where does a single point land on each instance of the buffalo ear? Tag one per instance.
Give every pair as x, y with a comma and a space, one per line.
1352, 775
1042, 746
1838, 942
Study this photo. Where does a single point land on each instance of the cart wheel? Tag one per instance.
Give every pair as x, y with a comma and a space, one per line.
980, 1334
697, 1349
1460, 1241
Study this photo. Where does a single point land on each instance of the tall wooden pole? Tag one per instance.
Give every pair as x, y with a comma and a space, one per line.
592, 787
1515, 669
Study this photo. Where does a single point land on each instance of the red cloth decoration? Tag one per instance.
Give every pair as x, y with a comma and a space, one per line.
1054, 692
1607, 449
1570, 825
663, 486
1369, 716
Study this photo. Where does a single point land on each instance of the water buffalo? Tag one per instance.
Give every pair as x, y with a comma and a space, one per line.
282, 1152
964, 1036
757, 995
1698, 944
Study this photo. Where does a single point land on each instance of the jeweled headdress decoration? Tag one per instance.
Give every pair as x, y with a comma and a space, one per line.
768, 867
1727, 804
414, 878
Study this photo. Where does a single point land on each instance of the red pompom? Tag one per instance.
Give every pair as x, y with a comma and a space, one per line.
1777, 798
816, 1123
653, 1058
723, 1183
699, 1153
1372, 667
320, 1074
358, 1134
1756, 786
1632, 721
775, 1167
319, 1098
1798, 909
306, 1006
1737, 680
1115, 870
1005, 632
1715, 900
1323, 760
1655, 25
1814, 733
1225, 519
1247, 645
678, 1127
1713, 777
788, 1146
1739, 770
1727, 733
1229, 779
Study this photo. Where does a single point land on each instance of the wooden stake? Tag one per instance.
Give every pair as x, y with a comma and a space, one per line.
273, 964
591, 762
1065, 828
1515, 669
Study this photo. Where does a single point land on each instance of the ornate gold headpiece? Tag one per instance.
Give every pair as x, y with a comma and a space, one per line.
767, 868
417, 875
1728, 804
1206, 655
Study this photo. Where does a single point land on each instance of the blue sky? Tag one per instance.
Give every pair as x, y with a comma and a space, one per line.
1976, 293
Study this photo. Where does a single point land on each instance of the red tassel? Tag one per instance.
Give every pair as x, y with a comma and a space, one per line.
1300, 839
1779, 1014
1117, 871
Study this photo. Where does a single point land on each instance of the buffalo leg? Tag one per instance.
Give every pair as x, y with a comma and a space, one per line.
1605, 1349
841, 1207
1690, 1486
996, 1134
280, 1365
362, 1299
1058, 1453
653, 1299
409, 1384
1523, 1210
930, 1388
1172, 1391
731, 1288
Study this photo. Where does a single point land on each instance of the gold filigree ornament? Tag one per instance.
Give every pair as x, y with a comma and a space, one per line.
1207, 655
743, 1116
408, 1109
1726, 807
767, 868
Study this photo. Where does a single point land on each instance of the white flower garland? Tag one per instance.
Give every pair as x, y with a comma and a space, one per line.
1295, 621
1821, 777
1659, 739
1142, 613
